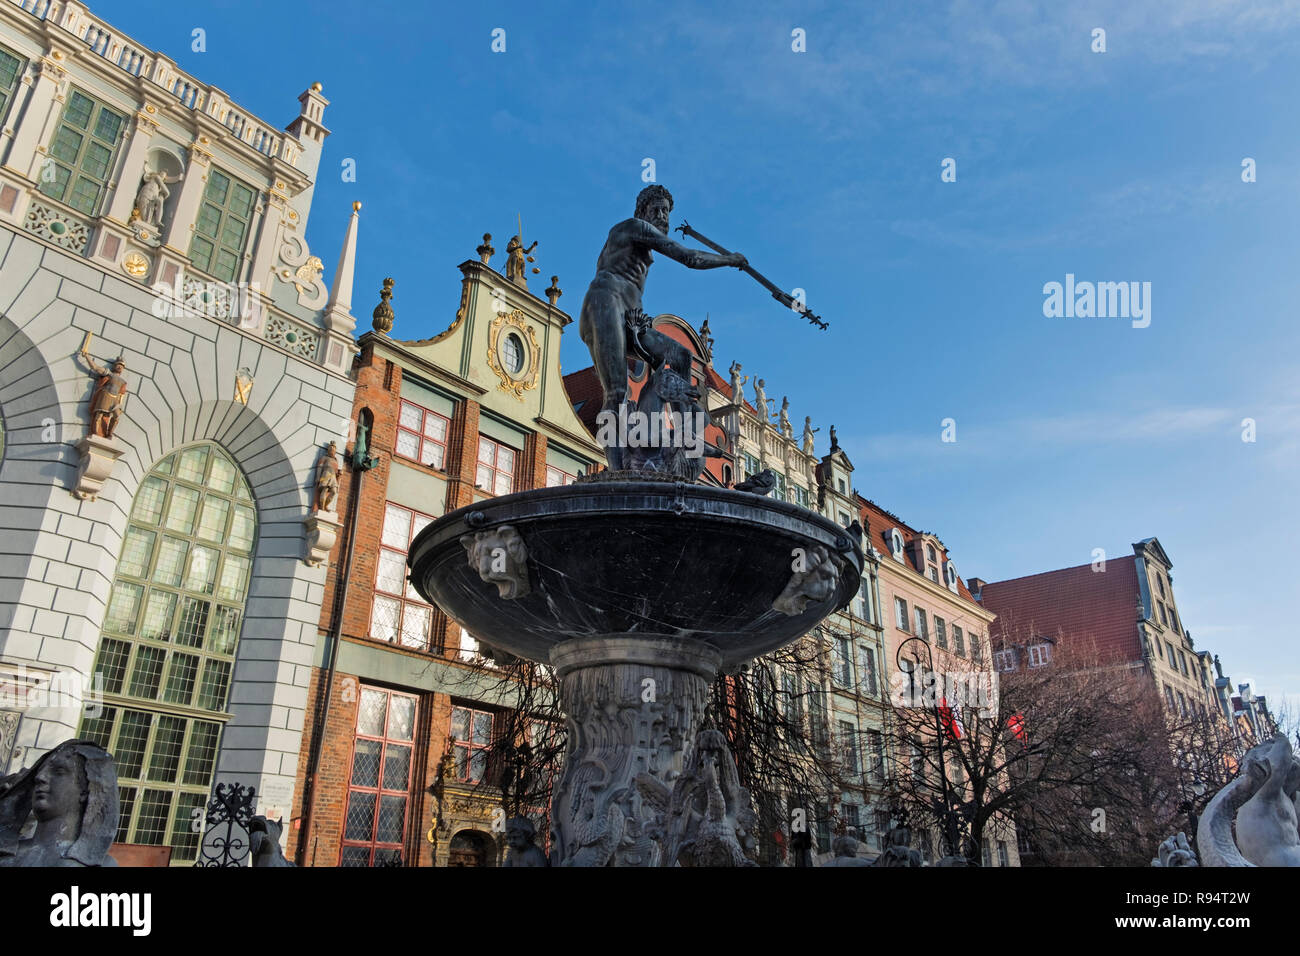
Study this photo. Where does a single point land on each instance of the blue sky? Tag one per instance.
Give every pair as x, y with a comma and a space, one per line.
823, 167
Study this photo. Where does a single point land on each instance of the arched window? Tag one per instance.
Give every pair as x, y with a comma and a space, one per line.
168, 643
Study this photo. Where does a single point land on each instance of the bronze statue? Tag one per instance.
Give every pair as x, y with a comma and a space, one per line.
845, 848
327, 479
898, 851
520, 834
612, 323
72, 794
264, 843
109, 398
517, 259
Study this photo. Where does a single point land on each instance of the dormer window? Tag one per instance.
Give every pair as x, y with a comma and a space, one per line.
950, 576
1005, 660
82, 153
1039, 654
929, 553
221, 231
896, 543
839, 483
1160, 585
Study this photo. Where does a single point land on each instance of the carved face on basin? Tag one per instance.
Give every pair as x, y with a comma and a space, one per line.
500, 558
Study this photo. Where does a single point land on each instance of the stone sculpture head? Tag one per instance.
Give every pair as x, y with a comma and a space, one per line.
500, 558
72, 793
653, 204
520, 833
119, 366
845, 845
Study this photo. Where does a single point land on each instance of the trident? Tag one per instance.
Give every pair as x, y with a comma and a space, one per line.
780, 295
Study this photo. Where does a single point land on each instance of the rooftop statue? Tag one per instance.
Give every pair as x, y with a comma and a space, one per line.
71, 792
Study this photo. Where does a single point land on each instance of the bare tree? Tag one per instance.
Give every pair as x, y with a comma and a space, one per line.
1076, 752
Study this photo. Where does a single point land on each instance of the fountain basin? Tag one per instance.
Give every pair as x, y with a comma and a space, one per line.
636, 558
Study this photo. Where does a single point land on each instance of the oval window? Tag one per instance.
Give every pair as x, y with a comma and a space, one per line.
512, 354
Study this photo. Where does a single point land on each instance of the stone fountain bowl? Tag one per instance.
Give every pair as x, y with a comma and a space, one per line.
641, 558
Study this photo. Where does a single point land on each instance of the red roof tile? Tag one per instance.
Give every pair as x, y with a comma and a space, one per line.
878, 523
1072, 604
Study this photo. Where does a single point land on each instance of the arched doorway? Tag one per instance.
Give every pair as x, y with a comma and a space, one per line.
167, 648
471, 848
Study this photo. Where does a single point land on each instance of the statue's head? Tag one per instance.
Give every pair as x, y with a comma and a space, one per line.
75, 781
333, 449
60, 786
119, 365
900, 836
653, 204
845, 845
520, 833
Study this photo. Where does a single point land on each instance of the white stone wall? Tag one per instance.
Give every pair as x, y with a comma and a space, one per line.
58, 554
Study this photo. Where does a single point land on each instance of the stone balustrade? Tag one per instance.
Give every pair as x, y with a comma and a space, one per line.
136, 61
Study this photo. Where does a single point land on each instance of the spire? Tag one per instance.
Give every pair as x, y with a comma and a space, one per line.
338, 311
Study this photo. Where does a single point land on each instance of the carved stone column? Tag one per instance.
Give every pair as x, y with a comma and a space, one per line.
634, 707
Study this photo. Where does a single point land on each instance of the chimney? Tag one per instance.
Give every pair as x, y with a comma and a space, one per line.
976, 586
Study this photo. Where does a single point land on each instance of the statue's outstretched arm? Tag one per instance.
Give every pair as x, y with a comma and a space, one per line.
691, 258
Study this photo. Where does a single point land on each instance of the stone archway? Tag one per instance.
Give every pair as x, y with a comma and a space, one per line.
471, 848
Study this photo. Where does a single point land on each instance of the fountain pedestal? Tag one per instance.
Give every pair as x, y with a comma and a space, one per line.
639, 592
634, 706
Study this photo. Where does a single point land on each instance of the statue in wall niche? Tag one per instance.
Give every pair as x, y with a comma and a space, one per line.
808, 432
153, 195
898, 850
63, 811
783, 418
108, 401
520, 834
327, 479
264, 843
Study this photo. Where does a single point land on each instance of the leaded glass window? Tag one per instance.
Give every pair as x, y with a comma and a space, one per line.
168, 644
221, 230
11, 69
379, 785
82, 153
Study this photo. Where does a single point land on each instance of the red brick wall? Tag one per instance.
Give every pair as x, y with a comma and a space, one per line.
332, 774
379, 390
